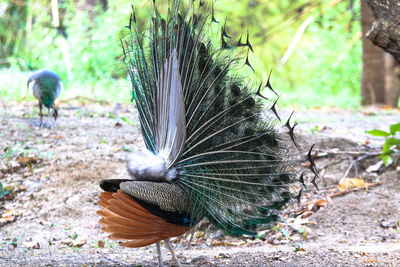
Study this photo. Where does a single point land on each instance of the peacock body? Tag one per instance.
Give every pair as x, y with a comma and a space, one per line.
212, 151
46, 87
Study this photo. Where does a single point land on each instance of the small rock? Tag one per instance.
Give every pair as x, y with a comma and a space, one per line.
375, 167
199, 259
385, 224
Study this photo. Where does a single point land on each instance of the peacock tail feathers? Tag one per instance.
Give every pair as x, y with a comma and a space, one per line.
207, 122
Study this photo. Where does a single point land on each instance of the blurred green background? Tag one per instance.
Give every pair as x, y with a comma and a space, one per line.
324, 68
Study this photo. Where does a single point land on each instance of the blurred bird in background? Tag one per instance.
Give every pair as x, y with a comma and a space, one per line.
212, 151
46, 87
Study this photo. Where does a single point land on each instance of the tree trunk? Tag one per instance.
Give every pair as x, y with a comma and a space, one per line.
381, 71
373, 64
392, 80
385, 31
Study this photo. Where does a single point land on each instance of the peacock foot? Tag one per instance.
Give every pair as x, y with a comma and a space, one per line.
46, 125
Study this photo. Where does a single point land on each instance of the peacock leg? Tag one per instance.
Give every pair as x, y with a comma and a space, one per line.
49, 117
168, 244
40, 113
159, 254
55, 113
189, 245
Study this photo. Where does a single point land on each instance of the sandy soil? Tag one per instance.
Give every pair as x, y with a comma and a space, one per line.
48, 218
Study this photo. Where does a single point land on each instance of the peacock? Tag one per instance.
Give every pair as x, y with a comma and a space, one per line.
46, 87
212, 148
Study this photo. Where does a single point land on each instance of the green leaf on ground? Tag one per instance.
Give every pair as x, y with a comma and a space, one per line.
395, 128
377, 132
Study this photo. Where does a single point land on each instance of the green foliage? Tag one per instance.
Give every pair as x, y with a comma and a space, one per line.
377, 132
12, 20
392, 143
325, 66
394, 128
323, 70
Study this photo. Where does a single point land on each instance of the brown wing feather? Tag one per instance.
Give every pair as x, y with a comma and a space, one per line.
126, 214
131, 209
128, 230
141, 242
103, 213
128, 200
126, 219
119, 236
131, 223
103, 203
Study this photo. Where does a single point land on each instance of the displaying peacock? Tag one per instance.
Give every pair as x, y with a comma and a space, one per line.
212, 151
46, 87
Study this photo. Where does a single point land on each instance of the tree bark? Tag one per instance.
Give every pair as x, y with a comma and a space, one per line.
381, 71
385, 31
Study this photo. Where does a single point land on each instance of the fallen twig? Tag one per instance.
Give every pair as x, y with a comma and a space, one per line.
83, 99
353, 163
369, 154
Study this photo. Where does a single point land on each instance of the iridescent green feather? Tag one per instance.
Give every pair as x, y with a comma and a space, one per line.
234, 167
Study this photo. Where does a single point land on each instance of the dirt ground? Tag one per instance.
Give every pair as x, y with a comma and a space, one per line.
48, 217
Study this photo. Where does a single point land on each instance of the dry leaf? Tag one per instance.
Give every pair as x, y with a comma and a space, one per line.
350, 183
27, 160
101, 243
67, 242
321, 202
8, 216
79, 242
316, 204
8, 213
199, 234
